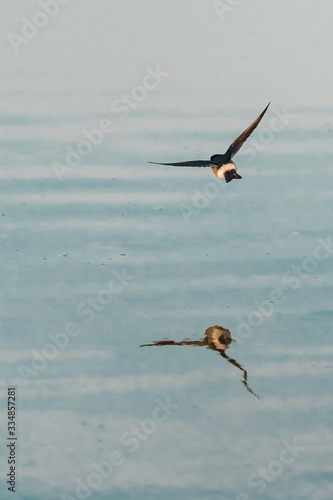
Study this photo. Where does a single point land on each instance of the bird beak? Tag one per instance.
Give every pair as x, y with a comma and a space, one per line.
237, 176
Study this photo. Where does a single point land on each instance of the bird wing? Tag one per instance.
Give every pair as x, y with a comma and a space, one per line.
238, 143
193, 163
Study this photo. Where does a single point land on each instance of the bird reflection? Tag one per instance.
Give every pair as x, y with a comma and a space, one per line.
216, 338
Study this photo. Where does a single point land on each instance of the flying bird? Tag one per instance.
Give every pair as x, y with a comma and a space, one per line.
222, 165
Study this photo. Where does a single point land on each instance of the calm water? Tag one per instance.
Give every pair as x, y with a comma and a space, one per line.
168, 335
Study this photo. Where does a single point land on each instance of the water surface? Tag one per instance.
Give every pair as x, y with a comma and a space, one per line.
116, 253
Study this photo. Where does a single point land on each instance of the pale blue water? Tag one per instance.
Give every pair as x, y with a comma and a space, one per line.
120, 253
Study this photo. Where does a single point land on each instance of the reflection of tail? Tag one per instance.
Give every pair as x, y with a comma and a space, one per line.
234, 362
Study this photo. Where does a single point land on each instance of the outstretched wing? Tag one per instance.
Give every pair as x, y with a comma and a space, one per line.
193, 163
238, 143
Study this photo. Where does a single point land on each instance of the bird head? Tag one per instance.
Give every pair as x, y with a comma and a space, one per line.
231, 174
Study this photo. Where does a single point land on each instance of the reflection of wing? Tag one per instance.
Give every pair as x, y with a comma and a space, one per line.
193, 163
238, 143
171, 342
234, 362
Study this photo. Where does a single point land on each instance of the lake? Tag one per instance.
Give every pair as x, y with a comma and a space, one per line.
166, 334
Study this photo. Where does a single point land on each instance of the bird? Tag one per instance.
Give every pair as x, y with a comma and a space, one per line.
222, 164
